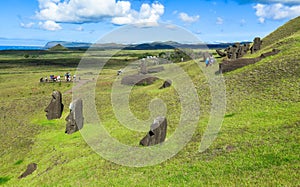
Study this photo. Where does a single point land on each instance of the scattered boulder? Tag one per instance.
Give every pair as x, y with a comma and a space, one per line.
271, 53
256, 45
166, 84
156, 69
55, 108
75, 118
222, 54
157, 133
30, 169
140, 80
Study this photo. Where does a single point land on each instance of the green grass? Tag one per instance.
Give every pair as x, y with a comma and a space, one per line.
3, 180
258, 144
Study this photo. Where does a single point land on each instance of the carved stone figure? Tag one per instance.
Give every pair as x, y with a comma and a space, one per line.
157, 133
55, 108
75, 118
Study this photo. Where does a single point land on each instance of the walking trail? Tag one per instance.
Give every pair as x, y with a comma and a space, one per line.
77, 86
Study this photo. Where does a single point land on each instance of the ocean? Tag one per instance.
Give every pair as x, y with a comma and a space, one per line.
22, 48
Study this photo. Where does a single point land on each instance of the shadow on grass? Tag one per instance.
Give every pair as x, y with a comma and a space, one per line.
229, 115
3, 180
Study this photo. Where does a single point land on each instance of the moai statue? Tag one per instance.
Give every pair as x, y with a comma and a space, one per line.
166, 84
157, 133
256, 45
55, 108
143, 67
75, 118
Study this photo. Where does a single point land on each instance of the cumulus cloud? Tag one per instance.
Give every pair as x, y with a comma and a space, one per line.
219, 21
286, 2
148, 15
189, 19
84, 11
243, 22
276, 11
27, 25
80, 28
50, 26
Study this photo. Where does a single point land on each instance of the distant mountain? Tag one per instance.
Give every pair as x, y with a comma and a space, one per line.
143, 46
58, 47
68, 44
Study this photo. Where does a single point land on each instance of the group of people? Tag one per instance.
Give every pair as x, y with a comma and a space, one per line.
209, 61
53, 78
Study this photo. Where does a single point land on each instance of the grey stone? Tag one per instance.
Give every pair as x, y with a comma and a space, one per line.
157, 133
271, 53
156, 69
55, 108
140, 80
29, 170
256, 45
166, 84
143, 68
75, 118
221, 53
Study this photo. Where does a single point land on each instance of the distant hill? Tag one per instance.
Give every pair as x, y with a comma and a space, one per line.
142, 46
284, 31
68, 44
58, 47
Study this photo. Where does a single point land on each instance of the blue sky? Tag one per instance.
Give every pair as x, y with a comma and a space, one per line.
35, 22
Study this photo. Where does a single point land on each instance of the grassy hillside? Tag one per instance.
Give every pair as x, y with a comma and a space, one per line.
258, 144
284, 31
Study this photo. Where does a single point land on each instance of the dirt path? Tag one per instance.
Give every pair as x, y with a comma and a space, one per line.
78, 85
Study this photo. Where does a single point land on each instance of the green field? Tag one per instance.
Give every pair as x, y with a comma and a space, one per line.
258, 143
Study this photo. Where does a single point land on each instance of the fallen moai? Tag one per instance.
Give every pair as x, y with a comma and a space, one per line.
140, 80
230, 65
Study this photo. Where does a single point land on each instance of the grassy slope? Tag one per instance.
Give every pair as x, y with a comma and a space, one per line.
257, 145
282, 32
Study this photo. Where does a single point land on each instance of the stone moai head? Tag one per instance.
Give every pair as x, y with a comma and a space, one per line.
75, 118
55, 107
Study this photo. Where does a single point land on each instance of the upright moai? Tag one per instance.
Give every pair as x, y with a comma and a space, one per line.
256, 45
55, 107
75, 118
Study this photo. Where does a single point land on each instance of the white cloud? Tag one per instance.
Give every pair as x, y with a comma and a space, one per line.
147, 16
189, 19
243, 22
219, 21
50, 26
80, 28
27, 26
83, 11
276, 11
